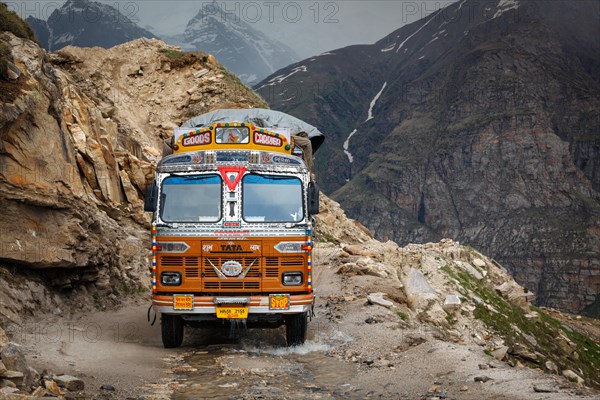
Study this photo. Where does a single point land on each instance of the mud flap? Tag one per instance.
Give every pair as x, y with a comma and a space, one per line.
154, 320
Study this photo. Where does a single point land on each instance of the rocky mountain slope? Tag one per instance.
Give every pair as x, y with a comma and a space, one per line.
239, 46
86, 23
80, 132
479, 123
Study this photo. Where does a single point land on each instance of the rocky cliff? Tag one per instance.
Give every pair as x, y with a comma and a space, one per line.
479, 123
80, 132
392, 298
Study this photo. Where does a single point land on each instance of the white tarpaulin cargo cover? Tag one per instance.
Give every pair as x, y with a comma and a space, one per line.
260, 117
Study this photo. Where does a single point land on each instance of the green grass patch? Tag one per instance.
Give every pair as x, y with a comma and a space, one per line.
511, 324
401, 315
180, 59
172, 54
11, 22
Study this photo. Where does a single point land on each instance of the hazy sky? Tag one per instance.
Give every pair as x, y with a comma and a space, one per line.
308, 26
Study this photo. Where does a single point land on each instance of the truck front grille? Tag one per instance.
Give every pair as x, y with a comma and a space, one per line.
178, 261
224, 285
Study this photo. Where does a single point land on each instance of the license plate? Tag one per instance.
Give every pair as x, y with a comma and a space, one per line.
183, 302
232, 312
279, 302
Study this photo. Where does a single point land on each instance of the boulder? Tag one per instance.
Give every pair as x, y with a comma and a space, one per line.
13, 71
69, 382
419, 292
16, 377
515, 294
201, 73
500, 353
354, 250
8, 390
551, 367
377, 299
451, 303
523, 352
14, 360
6, 383
478, 262
572, 376
474, 272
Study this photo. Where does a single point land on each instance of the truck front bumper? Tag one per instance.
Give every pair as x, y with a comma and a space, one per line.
256, 304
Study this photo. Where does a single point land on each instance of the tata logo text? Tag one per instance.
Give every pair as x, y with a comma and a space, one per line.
267, 140
197, 140
232, 247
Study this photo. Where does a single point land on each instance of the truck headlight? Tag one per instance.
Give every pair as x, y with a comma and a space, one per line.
292, 278
170, 278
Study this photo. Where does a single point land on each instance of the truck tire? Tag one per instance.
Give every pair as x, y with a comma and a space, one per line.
172, 330
296, 326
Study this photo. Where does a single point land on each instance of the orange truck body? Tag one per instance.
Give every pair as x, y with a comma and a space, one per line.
232, 232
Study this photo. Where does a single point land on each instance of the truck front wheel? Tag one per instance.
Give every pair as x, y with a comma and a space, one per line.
172, 330
296, 326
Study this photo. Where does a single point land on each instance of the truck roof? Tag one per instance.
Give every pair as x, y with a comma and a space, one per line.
273, 120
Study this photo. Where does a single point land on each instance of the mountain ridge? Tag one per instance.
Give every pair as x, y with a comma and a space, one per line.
484, 130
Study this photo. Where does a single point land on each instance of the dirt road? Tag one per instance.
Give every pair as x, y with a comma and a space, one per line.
355, 351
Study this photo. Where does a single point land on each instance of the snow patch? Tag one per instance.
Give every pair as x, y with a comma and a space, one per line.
431, 41
389, 48
280, 78
374, 101
504, 6
418, 30
64, 38
456, 13
327, 53
422, 57
346, 144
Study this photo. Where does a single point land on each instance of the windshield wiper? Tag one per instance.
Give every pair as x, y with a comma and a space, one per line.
190, 177
164, 225
273, 177
294, 225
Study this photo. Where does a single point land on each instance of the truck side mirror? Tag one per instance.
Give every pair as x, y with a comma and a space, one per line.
313, 198
151, 198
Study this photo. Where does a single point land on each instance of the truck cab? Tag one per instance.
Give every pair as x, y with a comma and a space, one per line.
232, 233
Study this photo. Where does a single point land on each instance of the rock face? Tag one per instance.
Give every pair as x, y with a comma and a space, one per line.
479, 123
79, 136
86, 23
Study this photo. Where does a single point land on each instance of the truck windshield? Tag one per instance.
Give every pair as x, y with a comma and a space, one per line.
272, 199
195, 198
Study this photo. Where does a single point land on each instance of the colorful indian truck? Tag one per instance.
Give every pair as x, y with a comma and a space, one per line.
232, 227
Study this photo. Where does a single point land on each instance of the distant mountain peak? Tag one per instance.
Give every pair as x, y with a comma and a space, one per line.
239, 46
86, 23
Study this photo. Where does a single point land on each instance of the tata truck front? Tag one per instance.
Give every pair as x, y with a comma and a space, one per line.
232, 233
